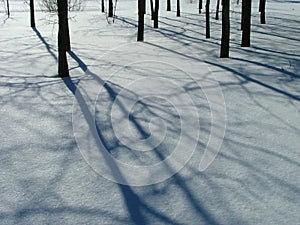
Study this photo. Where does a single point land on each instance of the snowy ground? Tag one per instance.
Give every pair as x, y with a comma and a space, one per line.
46, 177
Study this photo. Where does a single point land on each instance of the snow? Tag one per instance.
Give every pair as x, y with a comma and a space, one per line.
171, 90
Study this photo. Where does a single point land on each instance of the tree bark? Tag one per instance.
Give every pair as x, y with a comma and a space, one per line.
62, 7
207, 19
178, 8
246, 11
32, 20
225, 29
141, 14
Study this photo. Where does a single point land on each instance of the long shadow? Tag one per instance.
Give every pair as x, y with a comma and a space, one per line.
134, 203
287, 94
268, 66
295, 97
48, 47
131, 199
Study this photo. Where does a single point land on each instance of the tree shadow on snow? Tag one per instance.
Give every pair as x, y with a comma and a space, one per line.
137, 207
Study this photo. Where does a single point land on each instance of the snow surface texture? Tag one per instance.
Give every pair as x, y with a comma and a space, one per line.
46, 177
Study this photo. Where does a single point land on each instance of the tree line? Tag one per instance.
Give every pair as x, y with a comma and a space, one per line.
64, 37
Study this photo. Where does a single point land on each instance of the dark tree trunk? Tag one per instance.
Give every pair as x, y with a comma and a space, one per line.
262, 10
242, 15
152, 9
225, 29
8, 10
217, 9
246, 12
32, 20
102, 6
200, 6
62, 7
110, 8
141, 14
207, 19
168, 5
178, 8
156, 10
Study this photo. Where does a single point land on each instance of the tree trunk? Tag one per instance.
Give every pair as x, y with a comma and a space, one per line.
62, 8
217, 9
262, 10
207, 19
225, 29
8, 10
110, 8
102, 6
156, 10
32, 20
178, 8
168, 5
152, 9
200, 6
141, 14
246, 12
242, 15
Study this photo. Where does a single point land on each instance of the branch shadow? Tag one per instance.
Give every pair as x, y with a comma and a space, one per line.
134, 203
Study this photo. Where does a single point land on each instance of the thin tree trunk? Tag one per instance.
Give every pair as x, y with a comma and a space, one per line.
262, 10
141, 14
32, 20
156, 10
8, 10
247, 23
178, 8
102, 6
110, 8
225, 29
217, 9
207, 19
200, 6
242, 15
168, 5
62, 7
152, 9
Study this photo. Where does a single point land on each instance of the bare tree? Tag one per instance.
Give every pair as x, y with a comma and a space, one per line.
225, 29
63, 34
110, 8
156, 10
7, 6
152, 9
207, 19
178, 8
102, 6
51, 5
246, 23
168, 5
32, 20
141, 19
217, 9
200, 6
262, 10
